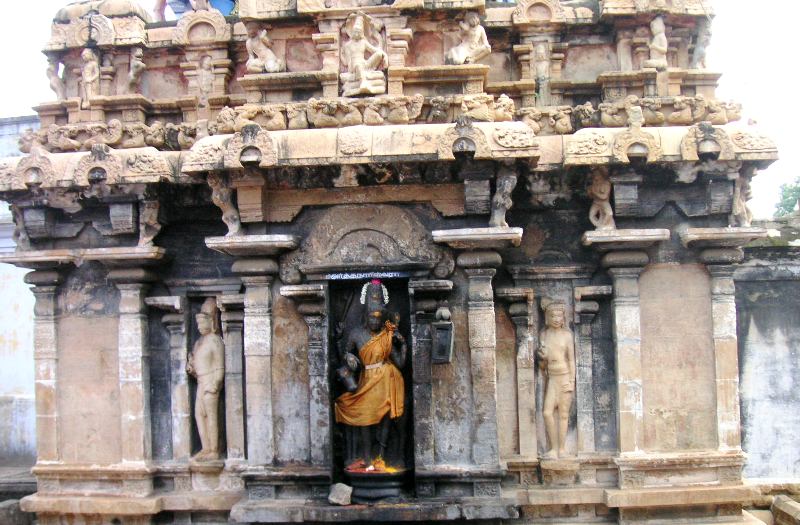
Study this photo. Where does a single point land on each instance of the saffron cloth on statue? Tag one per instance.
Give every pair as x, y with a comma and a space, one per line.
380, 390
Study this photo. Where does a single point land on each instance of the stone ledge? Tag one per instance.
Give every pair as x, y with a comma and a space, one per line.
720, 237
567, 496
201, 501
675, 497
281, 511
636, 239
479, 238
114, 506
786, 511
252, 245
113, 257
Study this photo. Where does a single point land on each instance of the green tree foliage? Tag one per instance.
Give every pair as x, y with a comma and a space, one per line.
790, 193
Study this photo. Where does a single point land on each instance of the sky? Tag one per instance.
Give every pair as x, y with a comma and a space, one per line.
752, 45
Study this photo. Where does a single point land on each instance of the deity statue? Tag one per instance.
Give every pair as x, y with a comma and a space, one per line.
260, 57
205, 80
56, 82
659, 45
363, 58
701, 47
625, 50
207, 364
557, 358
474, 43
374, 403
600, 213
136, 69
90, 77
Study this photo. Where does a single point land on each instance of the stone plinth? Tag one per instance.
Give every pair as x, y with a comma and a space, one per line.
272, 87
479, 238
559, 471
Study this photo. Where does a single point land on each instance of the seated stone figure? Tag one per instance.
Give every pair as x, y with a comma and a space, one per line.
474, 43
260, 57
362, 58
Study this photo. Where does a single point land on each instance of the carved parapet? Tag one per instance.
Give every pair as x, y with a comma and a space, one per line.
259, 87
634, 7
345, 7
547, 15
470, 77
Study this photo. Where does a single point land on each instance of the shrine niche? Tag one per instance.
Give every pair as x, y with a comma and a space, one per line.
366, 238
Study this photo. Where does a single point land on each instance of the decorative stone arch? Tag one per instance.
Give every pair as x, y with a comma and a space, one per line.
538, 12
202, 27
360, 238
463, 137
96, 28
207, 154
252, 142
34, 170
102, 164
692, 143
625, 140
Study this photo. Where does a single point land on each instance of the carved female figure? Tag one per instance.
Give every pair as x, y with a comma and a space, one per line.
90, 76
474, 43
557, 358
207, 364
261, 58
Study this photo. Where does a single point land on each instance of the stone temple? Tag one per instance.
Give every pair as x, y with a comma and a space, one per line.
401, 261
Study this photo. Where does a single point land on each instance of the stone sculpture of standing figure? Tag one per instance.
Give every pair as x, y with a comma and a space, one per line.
601, 214
701, 47
659, 46
474, 43
56, 82
207, 364
205, 80
362, 58
90, 77
136, 69
260, 57
557, 358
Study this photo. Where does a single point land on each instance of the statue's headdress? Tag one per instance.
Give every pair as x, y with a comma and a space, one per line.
374, 295
210, 309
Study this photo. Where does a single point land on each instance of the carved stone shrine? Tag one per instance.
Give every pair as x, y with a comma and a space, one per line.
406, 261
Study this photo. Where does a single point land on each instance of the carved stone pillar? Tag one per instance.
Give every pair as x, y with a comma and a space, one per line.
627, 337
232, 333
258, 360
45, 336
479, 267
312, 306
585, 312
134, 364
176, 321
726, 348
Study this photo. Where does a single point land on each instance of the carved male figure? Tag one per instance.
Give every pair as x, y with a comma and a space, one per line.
557, 358
136, 69
260, 57
362, 59
474, 43
205, 80
600, 214
379, 351
90, 76
659, 45
502, 202
207, 364
56, 82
